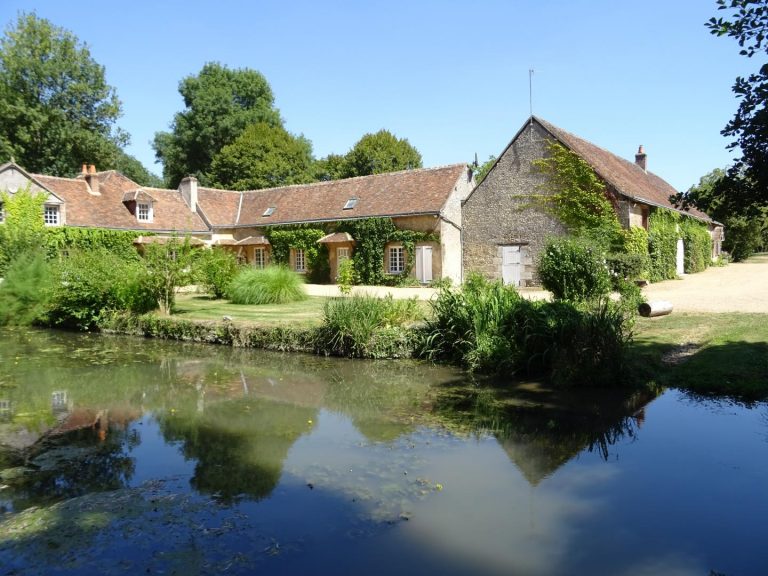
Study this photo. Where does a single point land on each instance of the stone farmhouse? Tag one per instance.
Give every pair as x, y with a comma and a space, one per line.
424, 200
504, 234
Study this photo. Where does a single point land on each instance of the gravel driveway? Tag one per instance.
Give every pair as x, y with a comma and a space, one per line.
740, 287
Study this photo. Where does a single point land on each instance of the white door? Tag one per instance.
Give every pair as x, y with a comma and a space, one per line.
424, 264
511, 265
680, 263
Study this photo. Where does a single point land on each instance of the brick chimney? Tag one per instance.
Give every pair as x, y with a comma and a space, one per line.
91, 178
188, 189
641, 157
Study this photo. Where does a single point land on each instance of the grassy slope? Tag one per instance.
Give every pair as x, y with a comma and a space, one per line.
706, 353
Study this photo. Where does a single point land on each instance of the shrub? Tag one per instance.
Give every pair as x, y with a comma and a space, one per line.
346, 276
368, 327
25, 291
88, 283
270, 285
625, 267
216, 268
488, 327
573, 270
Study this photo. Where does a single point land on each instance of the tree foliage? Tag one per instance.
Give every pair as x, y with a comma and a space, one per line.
747, 22
56, 108
219, 104
481, 171
379, 153
263, 156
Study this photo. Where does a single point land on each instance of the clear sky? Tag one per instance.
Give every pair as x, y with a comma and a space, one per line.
450, 76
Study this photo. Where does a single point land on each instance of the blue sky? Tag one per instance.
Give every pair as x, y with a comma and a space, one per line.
450, 76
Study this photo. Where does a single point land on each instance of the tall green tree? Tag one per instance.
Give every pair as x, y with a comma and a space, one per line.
378, 153
747, 22
263, 156
56, 108
746, 226
219, 104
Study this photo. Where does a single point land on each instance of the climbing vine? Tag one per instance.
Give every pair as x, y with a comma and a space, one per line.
303, 237
576, 196
371, 237
119, 242
698, 245
662, 244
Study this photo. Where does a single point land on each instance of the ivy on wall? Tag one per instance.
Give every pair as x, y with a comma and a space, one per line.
662, 244
576, 196
303, 237
371, 237
119, 242
698, 245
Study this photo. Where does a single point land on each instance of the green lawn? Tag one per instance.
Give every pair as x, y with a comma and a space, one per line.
706, 353
197, 307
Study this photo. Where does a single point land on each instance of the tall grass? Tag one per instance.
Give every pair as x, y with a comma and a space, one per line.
488, 327
365, 326
270, 285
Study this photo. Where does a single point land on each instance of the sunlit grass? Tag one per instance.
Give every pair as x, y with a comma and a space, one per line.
307, 312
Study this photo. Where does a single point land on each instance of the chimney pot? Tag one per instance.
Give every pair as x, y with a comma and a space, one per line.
641, 157
92, 169
85, 168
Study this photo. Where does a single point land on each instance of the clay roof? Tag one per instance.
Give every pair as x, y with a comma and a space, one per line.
106, 209
627, 178
253, 241
336, 238
409, 192
167, 239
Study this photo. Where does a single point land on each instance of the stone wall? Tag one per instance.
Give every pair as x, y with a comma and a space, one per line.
501, 211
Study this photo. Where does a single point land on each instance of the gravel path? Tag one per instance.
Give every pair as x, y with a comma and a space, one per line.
741, 287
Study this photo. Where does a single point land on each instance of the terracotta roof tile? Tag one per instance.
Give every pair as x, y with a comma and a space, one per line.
626, 177
422, 191
106, 209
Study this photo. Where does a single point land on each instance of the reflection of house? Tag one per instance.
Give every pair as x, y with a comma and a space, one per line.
504, 232
425, 200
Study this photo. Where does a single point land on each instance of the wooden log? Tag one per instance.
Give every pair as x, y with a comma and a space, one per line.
658, 308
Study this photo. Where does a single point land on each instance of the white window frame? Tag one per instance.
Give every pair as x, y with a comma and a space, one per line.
259, 257
342, 253
396, 260
51, 215
299, 260
144, 211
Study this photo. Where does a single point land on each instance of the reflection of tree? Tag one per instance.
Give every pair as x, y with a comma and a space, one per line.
541, 429
239, 446
79, 462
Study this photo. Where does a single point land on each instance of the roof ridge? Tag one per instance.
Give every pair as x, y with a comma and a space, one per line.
331, 182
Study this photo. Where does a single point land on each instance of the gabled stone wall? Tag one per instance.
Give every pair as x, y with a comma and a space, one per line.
501, 211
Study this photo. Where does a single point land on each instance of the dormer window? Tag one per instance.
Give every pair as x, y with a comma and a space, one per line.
51, 215
351, 203
144, 211
269, 211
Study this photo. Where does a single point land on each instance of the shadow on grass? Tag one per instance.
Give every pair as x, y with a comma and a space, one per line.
736, 369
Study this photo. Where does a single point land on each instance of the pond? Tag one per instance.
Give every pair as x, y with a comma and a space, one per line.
125, 456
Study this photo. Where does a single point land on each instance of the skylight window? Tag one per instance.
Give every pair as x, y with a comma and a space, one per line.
351, 203
269, 211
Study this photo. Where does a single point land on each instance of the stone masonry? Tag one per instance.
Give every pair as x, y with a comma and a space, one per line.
501, 210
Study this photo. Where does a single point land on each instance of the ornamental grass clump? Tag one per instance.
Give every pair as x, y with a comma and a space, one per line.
489, 328
270, 285
364, 326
